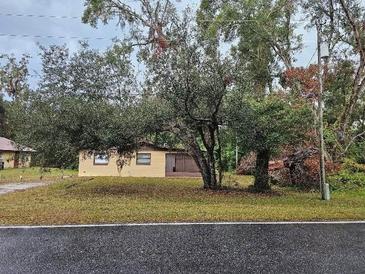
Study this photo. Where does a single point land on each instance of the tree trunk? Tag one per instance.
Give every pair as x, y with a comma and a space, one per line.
206, 161
346, 115
262, 171
219, 156
200, 161
207, 170
204, 164
213, 183
359, 81
210, 143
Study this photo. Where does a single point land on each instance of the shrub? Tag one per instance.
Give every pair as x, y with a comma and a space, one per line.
351, 176
353, 166
356, 152
346, 179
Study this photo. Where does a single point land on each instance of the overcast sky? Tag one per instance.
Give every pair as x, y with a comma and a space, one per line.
13, 24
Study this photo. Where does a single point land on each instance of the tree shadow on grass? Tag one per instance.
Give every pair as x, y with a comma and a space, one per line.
243, 191
163, 190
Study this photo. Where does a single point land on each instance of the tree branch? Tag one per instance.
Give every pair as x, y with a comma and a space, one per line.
352, 141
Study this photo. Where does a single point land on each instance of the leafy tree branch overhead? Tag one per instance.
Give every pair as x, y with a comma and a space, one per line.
13, 75
149, 22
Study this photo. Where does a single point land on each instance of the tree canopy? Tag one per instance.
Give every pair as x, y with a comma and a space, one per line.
215, 78
68, 113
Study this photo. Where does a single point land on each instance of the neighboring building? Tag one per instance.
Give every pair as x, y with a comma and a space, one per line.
13, 155
149, 161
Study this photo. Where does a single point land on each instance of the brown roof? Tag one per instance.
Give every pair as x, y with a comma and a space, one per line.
9, 145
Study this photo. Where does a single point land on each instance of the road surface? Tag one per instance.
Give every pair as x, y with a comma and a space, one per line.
198, 248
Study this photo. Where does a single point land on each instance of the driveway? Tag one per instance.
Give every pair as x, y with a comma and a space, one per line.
198, 248
12, 187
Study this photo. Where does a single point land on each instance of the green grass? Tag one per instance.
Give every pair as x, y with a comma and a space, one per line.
127, 200
32, 174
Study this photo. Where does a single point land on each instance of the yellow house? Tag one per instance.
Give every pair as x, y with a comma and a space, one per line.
13, 155
148, 161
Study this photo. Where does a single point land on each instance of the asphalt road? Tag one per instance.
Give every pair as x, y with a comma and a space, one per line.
201, 248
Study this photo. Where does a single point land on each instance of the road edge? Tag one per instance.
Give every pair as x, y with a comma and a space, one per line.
180, 224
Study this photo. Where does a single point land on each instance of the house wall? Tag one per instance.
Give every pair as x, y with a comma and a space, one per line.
9, 159
130, 169
25, 159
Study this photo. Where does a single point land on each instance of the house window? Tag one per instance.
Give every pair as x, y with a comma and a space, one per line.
143, 159
101, 159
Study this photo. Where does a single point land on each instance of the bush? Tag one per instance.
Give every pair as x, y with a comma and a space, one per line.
352, 176
347, 180
356, 152
353, 166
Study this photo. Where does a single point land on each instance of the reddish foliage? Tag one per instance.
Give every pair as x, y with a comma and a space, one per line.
247, 165
161, 45
228, 80
162, 42
305, 77
276, 165
304, 168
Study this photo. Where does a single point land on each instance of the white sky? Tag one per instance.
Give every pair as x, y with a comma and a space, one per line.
23, 25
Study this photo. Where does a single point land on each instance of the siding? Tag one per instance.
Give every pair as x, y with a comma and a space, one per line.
25, 159
9, 156
131, 169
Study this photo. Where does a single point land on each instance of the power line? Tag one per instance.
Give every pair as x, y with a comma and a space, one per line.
78, 17
52, 36
310, 61
39, 16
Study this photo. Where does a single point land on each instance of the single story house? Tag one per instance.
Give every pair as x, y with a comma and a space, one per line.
13, 155
148, 161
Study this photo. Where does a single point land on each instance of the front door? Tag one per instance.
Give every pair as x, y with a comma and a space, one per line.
170, 164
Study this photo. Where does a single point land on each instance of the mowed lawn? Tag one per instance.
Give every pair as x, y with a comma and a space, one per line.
128, 200
33, 174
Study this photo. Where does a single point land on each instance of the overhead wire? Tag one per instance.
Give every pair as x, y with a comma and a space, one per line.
70, 17
13, 35
311, 59
52, 36
9, 14
79, 17
39, 16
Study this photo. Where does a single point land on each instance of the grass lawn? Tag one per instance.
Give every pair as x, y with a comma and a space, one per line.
32, 174
125, 200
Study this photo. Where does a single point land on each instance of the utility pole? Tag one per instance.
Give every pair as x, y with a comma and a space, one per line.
322, 54
237, 160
